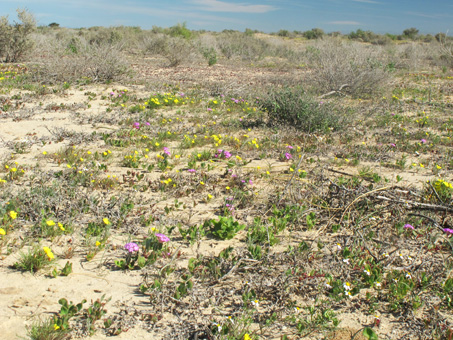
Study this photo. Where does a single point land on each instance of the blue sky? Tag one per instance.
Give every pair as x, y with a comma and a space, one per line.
379, 16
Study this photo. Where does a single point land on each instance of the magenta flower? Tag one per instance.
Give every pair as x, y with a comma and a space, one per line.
289, 147
131, 247
162, 238
448, 231
288, 156
408, 226
192, 171
393, 144
423, 140
227, 154
209, 109
136, 125
167, 151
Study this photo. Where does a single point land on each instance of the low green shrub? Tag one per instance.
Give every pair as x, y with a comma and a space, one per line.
225, 228
293, 107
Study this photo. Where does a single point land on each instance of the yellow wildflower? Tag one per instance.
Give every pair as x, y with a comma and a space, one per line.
49, 253
13, 214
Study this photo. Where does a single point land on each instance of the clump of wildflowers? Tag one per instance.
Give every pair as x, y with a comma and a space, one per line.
167, 151
444, 189
131, 247
162, 238
132, 257
222, 154
408, 227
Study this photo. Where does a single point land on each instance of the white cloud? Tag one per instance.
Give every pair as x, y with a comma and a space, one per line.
432, 16
168, 12
344, 23
222, 6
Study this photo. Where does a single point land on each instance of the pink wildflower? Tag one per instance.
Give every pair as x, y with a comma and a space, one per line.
131, 247
162, 238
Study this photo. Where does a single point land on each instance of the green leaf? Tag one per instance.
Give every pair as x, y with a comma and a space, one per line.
370, 334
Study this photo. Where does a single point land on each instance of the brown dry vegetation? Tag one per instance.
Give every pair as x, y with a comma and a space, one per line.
300, 229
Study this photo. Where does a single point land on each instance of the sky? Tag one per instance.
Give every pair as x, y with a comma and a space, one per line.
379, 16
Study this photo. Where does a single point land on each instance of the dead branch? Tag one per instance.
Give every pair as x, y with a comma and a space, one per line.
416, 205
334, 91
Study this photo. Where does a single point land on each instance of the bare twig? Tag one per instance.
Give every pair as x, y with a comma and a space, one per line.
360, 197
334, 91
417, 205
290, 180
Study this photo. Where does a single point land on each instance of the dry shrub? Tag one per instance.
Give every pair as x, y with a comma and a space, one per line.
176, 50
15, 38
356, 68
240, 45
446, 52
415, 56
207, 47
418, 56
77, 59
